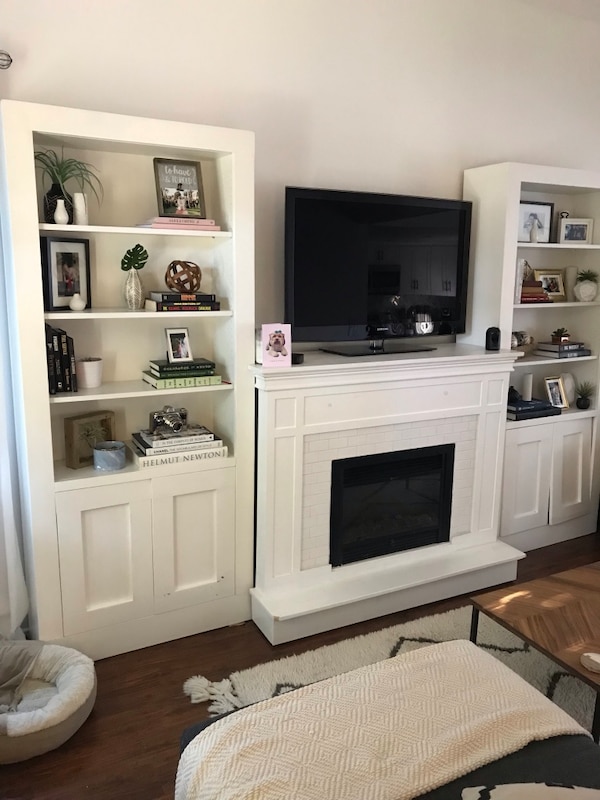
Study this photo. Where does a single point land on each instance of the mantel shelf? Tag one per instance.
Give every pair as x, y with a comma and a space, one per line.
138, 230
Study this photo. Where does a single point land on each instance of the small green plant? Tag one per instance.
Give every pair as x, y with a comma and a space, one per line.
134, 258
60, 170
560, 332
585, 389
92, 433
586, 275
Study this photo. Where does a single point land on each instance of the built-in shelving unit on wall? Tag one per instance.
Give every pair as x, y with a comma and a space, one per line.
551, 464
121, 560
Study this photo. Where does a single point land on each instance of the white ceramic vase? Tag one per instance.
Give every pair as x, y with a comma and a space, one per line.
585, 291
134, 291
77, 303
61, 215
89, 373
80, 210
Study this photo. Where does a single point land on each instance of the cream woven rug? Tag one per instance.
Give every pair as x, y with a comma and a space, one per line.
283, 675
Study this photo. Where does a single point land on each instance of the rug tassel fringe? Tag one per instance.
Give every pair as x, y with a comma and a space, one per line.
201, 690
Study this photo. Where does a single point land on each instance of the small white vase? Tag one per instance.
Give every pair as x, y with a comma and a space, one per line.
533, 232
585, 291
77, 303
61, 215
89, 373
134, 291
80, 209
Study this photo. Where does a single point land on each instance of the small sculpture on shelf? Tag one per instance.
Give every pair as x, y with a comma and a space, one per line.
134, 259
183, 276
560, 335
584, 392
586, 286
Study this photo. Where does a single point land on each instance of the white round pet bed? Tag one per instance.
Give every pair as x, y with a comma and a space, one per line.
56, 697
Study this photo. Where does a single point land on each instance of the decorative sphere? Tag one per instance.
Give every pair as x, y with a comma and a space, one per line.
183, 276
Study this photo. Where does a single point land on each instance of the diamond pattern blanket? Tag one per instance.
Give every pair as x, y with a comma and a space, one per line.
388, 731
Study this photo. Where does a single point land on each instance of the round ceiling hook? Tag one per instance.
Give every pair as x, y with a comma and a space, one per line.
5, 59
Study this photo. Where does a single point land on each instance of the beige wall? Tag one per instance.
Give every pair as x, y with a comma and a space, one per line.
383, 95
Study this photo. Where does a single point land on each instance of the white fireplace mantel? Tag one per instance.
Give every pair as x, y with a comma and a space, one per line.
339, 407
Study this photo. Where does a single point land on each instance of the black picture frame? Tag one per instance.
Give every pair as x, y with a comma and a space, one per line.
65, 271
179, 190
540, 213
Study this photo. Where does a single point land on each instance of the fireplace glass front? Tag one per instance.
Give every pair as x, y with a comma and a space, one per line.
388, 502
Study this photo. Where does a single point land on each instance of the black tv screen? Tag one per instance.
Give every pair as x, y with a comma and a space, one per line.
362, 266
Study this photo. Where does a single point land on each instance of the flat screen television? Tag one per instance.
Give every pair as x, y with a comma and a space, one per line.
372, 269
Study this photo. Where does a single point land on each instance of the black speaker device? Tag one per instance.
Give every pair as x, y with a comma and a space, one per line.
492, 339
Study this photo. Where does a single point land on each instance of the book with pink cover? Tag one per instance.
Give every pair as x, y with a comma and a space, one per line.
276, 341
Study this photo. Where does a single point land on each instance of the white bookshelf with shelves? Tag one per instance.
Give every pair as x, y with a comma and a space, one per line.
566, 444
212, 540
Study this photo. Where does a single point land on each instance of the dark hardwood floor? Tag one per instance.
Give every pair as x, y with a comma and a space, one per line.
129, 747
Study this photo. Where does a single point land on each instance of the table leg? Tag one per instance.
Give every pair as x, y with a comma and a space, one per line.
474, 623
596, 721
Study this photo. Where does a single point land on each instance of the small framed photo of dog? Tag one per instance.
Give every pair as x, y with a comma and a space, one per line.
178, 345
277, 345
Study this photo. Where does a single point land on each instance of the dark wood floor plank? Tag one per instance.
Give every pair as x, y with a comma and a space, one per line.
129, 747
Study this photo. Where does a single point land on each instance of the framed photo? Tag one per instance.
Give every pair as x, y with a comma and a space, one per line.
575, 231
179, 188
538, 215
276, 341
65, 271
82, 432
178, 345
555, 390
553, 283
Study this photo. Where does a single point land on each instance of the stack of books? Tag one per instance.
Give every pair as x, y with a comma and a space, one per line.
180, 223
60, 358
163, 448
562, 350
530, 409
177, 301
532, 292
163, 374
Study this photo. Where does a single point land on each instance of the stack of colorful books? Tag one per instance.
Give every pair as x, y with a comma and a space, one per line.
519, 409
177, 301
163, 374
182, 223
532, 292
165, 447
562, 350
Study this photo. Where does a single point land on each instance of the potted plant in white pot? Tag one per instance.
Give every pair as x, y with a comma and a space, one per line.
586, 286
59, 171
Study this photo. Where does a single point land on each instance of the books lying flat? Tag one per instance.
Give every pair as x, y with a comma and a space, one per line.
180, 382
180, 457
582, 351
156, 305
188, 373
180, 223
181, 297
560, 348
191, 433
164, 366
171, 446
523, 415
528, 405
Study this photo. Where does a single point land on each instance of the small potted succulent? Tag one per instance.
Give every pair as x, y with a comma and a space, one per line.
58, 171
560, 335
134, 259
586, 286
584, 391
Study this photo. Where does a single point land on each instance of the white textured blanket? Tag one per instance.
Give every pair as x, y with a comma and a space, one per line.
388, 731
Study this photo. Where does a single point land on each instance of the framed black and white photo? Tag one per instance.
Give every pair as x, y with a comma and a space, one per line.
575, 231
179, 188
178, 345
553, 283
536, 216
65, 271
555, 390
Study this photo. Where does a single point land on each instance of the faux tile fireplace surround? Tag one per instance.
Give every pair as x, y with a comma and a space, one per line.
333, 407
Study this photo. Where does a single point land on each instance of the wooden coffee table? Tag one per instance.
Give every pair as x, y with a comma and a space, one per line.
558, 615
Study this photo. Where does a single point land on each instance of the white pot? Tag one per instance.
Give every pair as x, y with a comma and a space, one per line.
80, 212
585, 291
89, 373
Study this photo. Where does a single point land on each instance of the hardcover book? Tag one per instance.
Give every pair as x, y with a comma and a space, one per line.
156, 305
529, 405
192, 433
188, 373
164, 366
560, 347
181, 297
581, 351
516, 416
167, 446
180, 382
185, 457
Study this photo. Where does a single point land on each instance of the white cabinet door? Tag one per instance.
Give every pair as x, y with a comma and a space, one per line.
105, 555
194, 538
527, 473
571, 470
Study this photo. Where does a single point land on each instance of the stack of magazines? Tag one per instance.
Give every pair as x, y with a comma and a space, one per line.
518, 409
192, 443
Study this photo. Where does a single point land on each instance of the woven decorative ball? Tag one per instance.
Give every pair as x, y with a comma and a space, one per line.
183, 276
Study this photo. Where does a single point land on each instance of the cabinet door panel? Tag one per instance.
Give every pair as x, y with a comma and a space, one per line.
105, 554
526, 485
570, 495
194, 531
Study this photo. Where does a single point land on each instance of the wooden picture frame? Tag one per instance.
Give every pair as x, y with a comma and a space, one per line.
555, 389
81, 431
539, 214
65, 271
178, 345
179, 190
575, 231
553, 283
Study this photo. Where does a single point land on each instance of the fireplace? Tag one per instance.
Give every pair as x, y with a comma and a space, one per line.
389, 502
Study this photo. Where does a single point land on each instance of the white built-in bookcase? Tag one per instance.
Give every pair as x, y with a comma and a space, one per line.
117, 561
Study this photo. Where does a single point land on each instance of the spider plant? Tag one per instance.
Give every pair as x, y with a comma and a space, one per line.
60, 170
